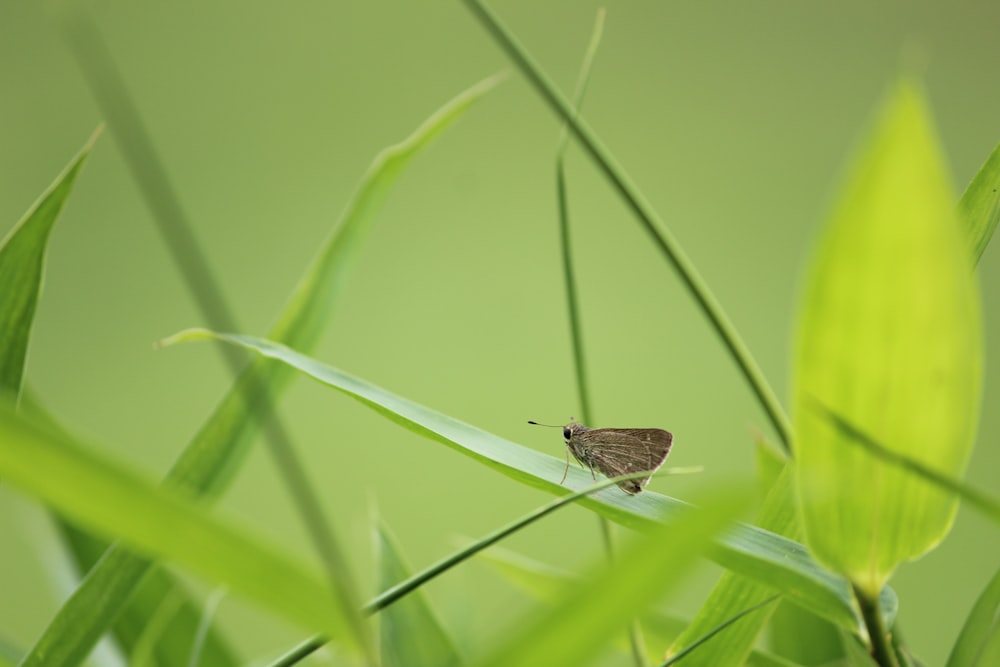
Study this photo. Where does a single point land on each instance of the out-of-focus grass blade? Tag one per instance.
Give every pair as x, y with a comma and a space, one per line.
661, 236
758, 554
211, 457
856, 655
988, 504
979, 207
158, 522
734, 593
410, 635
982, 622
590, 614
22, 260
889, 338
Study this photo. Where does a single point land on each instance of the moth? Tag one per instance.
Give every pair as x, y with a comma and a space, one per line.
616, 451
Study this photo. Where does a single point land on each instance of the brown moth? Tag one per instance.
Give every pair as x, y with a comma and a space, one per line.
617, 451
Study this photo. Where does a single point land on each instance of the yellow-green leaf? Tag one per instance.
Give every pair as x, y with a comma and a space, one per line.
889, 337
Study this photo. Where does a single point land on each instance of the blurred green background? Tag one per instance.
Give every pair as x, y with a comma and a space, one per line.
735, 119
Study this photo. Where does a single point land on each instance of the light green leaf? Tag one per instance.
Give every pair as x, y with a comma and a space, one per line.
113, 501
979, 207
410, 633
590, 614
982, 623
758, 554
22, 261
210, 459
889, 338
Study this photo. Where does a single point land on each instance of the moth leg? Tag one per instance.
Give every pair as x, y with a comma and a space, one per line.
566, 471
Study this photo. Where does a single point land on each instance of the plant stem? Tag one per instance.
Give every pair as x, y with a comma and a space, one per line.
881, 647
649, 219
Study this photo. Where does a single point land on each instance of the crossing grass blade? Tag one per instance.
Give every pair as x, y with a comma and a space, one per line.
979, 208
759, 554
981, 626
210, 459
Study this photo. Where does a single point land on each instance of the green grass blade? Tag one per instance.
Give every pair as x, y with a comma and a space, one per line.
114, 501
208, 461
22, 261
759, 554
572, 302
714, 632
648, 218
889, 338
590, 614
979, 207
981, 623
409, 632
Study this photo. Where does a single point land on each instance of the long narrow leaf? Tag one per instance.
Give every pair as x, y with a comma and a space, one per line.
210, 458
714, 632
648, 218
22, 259
761, 555
979, 207
113, 501
983, 621
410, 633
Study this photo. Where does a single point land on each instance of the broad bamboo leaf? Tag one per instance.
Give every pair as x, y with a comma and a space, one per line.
211, 457
114, 501
22, 261
755, 553
410, 634
889, 338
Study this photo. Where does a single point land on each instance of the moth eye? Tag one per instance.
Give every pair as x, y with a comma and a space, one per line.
567, 433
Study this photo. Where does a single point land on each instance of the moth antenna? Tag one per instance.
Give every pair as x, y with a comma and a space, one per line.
546, 425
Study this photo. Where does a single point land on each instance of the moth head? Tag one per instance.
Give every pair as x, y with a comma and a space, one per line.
573, 429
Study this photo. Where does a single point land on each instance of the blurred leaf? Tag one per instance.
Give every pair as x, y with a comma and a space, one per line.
410, 634
758, 554
22, 259
979, 499
979, 207
769, 462
982, 623
856, 655
734, 593
591, 613
158, 522
889, 338
211, 457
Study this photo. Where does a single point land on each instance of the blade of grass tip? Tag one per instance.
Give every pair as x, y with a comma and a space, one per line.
636, 640
211, 607
208, 461
978, 626
391, 595
22, 262
979, 207
693, 646
410, 633
979, 499
572, 302
177, 232
649, 220
758, 554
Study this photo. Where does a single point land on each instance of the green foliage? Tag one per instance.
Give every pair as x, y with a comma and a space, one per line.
889, 338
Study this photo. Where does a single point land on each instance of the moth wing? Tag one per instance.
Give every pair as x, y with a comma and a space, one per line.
623, 451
